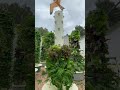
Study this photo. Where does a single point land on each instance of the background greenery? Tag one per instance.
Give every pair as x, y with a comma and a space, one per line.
6, 39
20, 19
60, 67
48, 40
99, 76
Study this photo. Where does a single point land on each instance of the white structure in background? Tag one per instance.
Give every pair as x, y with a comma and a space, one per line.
60, 39
66, 40
82, 46
59, 30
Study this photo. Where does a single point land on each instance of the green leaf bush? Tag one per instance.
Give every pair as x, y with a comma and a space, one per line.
60, 67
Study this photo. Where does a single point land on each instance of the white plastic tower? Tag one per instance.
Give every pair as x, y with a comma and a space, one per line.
59, 30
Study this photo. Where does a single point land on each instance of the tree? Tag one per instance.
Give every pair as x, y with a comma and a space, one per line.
74, 39
42, 31
82, 30
75, 36
48, 40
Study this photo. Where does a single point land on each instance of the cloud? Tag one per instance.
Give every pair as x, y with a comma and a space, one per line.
74, 14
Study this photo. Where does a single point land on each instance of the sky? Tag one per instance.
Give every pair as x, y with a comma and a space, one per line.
74, 14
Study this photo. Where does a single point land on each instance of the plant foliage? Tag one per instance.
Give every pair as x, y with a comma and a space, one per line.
47, 39
60, 67
24, 54
75, 47
98, 74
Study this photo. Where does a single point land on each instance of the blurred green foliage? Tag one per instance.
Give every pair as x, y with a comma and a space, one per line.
39, 33
98, 76
60, 67
47, 41
20, 19
6, 40
74, 39
25, 53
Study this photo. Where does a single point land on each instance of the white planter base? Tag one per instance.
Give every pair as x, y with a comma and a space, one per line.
49, 86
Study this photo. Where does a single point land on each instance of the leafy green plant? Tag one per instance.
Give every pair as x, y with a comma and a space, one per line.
74, 39
14, 25
60, 67
78, 59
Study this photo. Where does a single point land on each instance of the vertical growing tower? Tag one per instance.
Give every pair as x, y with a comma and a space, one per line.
59, 30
